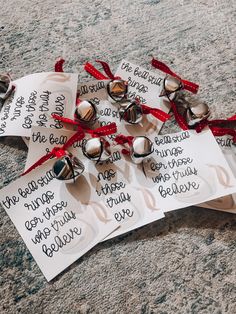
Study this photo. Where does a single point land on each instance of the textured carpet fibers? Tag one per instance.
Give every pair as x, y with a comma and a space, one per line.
184, 263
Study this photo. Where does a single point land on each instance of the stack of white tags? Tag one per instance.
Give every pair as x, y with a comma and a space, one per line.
59, 221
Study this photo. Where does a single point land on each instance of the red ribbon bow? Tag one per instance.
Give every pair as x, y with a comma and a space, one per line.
190, 86
57, 152
97, 74
59, 65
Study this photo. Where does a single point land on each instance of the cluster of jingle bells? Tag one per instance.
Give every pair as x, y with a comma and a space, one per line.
98, 149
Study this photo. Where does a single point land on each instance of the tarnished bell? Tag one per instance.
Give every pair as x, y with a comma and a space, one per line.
117, 90
86, 112
195, 114
96, 149
141, 148
5, 87
131, 112
68, 168
171, 85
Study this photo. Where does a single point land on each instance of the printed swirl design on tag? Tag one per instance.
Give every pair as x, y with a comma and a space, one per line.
100, 211
222, 175
222, 203
149, 199
57, 77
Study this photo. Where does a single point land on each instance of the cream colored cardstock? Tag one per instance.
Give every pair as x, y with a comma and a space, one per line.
143, 84
58, 222
226, 203
189, 168
36, 97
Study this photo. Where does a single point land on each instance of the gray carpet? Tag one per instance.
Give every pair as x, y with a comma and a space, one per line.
184, 263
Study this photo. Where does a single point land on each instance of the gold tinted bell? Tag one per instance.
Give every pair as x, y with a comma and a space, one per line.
117, 89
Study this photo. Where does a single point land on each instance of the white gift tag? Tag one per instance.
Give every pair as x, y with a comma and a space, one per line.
59, 222
143, 84
129, 200
36, 97
226, 203
189, 168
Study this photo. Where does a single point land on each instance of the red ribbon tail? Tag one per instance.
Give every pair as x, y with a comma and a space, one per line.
94, 72
59, 65
180, 120
218, 131
106, 69
64, 119
232, 118
190, 86
38, 163
163, 67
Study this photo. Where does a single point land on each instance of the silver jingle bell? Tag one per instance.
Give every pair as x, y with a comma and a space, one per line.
195, 114
171, 85
5, 86
117, 90
68, 168
131, 112
86, 112
96, 149
141, 148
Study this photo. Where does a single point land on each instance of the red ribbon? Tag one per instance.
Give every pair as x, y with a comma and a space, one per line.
97, 74
66, 120
190, 86
232, 118
101, 131
178, 117
217, 128
123, 139
157, 113
57, 152
59, 65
